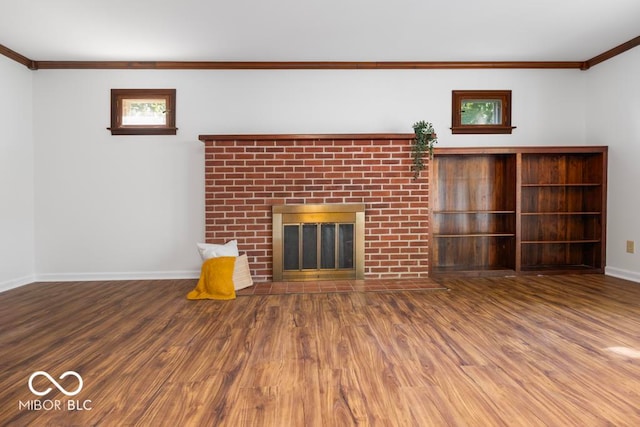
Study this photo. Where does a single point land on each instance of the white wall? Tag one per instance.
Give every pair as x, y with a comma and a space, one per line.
130, 206
112, 206
116, 207
16, 175
613, 118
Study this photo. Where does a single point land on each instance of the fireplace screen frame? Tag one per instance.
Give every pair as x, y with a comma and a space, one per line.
349, 213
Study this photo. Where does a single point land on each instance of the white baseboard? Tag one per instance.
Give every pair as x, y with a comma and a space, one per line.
140, 275
622, 274
16, 283
88, 277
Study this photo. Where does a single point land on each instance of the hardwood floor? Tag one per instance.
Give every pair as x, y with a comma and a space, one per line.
518, 351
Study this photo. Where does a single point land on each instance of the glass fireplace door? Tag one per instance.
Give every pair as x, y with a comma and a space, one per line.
317, 242
315, 248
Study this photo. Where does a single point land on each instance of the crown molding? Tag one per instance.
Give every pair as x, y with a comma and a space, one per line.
612, 52
314, 65
11, 54
301, 65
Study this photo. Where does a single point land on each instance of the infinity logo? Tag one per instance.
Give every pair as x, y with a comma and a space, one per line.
55, 383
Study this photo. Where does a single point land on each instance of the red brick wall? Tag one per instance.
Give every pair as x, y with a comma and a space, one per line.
245, 175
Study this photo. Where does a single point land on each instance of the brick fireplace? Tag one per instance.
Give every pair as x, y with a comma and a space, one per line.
245, 175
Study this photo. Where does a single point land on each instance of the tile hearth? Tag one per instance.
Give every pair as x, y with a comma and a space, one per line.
368, 285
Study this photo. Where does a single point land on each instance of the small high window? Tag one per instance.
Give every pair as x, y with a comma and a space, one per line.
481, 111
143, 112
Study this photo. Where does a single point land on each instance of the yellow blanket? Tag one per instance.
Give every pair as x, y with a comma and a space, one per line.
216, 280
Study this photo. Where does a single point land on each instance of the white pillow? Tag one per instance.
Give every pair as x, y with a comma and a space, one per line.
210, 250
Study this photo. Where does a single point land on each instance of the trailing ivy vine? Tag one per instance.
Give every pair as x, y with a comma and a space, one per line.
423, 141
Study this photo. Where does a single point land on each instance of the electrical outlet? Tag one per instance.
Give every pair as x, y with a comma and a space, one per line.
631, 246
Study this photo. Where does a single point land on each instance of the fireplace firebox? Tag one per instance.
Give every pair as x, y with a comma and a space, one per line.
317, 242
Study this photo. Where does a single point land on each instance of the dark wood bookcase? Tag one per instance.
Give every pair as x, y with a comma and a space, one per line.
518, 210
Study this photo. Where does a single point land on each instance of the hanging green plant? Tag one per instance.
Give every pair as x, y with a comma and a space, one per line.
423, 141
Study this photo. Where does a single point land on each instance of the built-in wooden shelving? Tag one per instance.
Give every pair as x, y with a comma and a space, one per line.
518, 210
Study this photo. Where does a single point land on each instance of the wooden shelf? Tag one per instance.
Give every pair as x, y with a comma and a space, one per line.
563, 202
559, 269
560, 213
563, 185
474, 235
473, 212
547, 242
518, 209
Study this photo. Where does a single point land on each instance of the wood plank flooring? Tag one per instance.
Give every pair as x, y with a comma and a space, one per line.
525, 351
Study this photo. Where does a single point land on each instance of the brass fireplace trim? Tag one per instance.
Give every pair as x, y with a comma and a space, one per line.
324, 213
